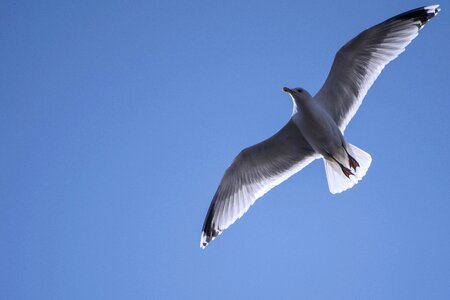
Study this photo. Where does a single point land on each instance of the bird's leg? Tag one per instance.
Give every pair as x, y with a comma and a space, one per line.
347, 172
352, 162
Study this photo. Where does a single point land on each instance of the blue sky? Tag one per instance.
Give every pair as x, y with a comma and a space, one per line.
118, 119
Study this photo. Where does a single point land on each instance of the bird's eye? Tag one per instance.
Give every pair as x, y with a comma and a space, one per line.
299, 91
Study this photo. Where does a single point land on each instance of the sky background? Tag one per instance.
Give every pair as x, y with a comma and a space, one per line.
118, 119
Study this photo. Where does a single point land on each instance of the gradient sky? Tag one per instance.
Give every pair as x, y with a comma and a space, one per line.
118, 119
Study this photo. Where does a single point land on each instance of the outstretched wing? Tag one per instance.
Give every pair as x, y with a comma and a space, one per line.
359, 62
253, 173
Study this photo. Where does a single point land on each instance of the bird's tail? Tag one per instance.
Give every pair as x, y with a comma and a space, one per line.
338, 181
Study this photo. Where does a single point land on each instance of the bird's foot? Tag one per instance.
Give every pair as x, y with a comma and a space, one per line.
347, 172
353, 163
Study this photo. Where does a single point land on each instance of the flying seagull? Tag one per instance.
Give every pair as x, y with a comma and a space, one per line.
316, 127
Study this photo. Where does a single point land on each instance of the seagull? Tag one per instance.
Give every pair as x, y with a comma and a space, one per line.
316, 127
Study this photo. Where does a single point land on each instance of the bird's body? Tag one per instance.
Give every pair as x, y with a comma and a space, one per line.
323, 135
316, 128
316, 125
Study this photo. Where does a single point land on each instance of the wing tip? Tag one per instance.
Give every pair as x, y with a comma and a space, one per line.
421, 15
205, 238
424, 14
433, 10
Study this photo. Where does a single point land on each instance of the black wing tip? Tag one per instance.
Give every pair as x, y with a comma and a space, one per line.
421, 14
204, 240
208, 236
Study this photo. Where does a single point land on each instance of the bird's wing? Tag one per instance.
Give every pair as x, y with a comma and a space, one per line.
253, 173
359, 62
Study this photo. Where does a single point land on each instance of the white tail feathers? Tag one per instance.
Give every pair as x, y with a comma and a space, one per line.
337, 181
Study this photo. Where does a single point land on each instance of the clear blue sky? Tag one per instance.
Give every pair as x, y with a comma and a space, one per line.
118, 119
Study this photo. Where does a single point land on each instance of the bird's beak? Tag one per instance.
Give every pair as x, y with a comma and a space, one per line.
287, 90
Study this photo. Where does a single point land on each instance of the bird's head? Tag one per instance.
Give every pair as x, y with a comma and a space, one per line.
298, 95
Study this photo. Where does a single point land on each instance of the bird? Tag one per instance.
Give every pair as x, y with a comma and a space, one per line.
317, 124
